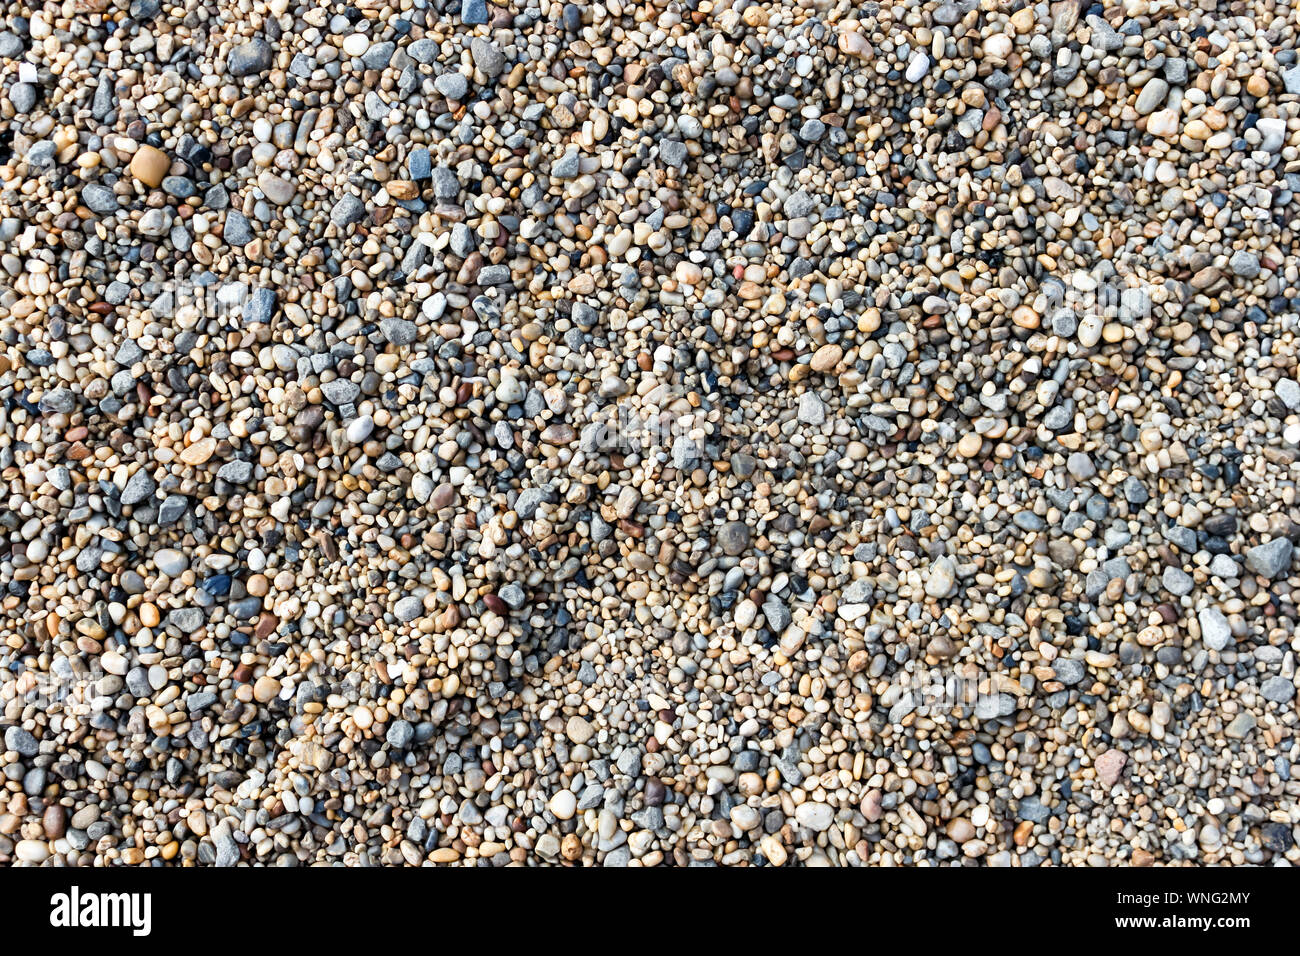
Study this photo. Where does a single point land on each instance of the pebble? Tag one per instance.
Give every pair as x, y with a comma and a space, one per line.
149, 165
276, 188
1291, 80
452, 85
917, 67
579, 730
1271, 559
20, 741
487, 57
940, 581
1110, 765
407, 609
250, 58
1244, 264
1215, 632
734, 538
1153, 95
1277, 689
563, 805
815, 816
1177, 582
812, 411
99, 199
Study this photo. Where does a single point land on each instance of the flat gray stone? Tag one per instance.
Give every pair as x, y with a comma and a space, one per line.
454, 86
347, 211
397, 331
340, 391
139, 487
236, 472
812, 411
171, 510
407, 609
530, 499
777, 614
99, 199
1271, 559
1288, 392
1279, 690
672, 152
1291, 80
260, 307
21, 742
400, 734
1244, 264
487, 57
1240, 726
238, 230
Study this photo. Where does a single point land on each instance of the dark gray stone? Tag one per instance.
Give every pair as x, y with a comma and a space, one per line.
172, 508
139, 487
260, 307
348, 210
238, 230
250, 59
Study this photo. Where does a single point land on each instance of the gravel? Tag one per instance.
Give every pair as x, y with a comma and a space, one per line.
649, 434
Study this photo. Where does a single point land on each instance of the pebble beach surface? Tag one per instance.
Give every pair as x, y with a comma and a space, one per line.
665, 433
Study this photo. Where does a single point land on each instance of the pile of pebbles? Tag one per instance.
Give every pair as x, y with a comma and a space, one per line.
684, 432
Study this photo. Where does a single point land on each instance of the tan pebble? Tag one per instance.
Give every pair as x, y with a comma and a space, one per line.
826, 358
571, 847
564, 804
968, 446
872, 805
770, 846
1025, 317
149, 165
579, 729
265, 689
199, 452
1163, 123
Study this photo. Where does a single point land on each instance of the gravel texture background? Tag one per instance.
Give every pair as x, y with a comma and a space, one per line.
664, 433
